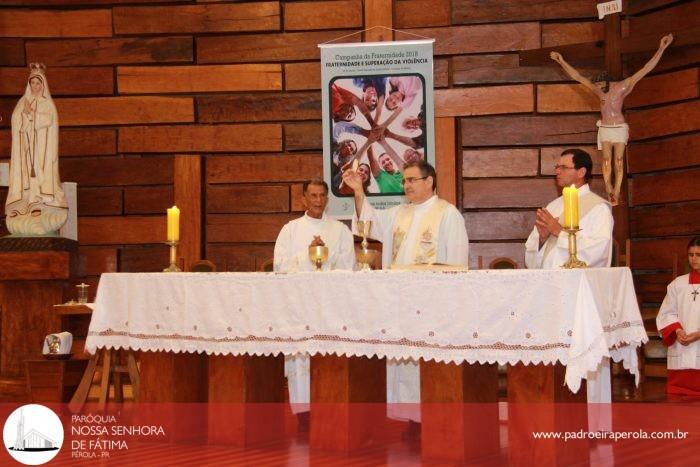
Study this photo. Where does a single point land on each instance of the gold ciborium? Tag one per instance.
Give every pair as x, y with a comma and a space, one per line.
318, 255
365, 257
573, 262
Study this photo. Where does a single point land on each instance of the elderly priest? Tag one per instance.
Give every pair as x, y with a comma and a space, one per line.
292, 254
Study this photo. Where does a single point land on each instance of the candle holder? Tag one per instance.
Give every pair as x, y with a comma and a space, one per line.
173, 258
573, 262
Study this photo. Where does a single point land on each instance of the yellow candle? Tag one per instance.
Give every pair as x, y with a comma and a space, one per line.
173, 224
570, 207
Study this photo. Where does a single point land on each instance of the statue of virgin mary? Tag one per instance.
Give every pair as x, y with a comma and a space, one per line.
36, 204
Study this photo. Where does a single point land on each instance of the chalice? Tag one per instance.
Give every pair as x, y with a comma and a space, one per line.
365, 256
318, 255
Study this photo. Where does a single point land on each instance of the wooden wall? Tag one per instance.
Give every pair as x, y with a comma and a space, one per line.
664, 156
215, 106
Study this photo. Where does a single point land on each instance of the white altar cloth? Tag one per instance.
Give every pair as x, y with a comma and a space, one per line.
576, 317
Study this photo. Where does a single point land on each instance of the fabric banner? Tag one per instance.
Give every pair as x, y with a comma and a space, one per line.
377, 110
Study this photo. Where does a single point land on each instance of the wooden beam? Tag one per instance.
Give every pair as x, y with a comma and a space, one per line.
235, 17
203, 78
306, 16
55, 23
572, 53
446, 158
378, 13
487, 100
188, 197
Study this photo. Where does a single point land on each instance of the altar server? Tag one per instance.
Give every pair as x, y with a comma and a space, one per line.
679, 325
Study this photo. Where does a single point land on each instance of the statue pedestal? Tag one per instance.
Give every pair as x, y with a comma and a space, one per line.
34, 275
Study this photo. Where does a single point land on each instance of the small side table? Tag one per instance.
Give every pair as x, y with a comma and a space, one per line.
53, 380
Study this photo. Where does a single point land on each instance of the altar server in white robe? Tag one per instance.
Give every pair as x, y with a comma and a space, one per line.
292, 255
427, 230
678, 323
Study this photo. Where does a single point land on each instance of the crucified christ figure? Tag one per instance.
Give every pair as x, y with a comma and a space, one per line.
613, 131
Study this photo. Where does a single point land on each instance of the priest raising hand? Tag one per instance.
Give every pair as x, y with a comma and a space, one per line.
426, 230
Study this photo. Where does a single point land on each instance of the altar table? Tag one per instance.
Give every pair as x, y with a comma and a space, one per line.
574, 318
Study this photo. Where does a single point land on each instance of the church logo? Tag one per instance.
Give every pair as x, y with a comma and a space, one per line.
33, 434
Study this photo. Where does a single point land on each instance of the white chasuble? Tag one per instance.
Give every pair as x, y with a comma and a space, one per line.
292, 255
425, 233
593, 241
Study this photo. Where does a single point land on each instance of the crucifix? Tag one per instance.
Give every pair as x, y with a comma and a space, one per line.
607, 54
695, 294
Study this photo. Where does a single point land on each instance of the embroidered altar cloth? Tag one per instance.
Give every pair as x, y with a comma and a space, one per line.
576, 317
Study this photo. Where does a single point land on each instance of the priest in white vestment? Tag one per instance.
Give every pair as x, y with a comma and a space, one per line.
292, 255
547, 247
427, 230
678, 323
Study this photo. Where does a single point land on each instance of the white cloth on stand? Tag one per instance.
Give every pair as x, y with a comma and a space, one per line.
292, 255
575, 316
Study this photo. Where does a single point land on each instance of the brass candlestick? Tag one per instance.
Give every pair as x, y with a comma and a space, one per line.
573, 262
173, 258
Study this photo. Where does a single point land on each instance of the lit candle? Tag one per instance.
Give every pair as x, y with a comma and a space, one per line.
570, 207
173, 224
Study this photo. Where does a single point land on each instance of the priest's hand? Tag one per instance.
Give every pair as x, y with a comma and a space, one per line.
547, 222
317, 241
353, 179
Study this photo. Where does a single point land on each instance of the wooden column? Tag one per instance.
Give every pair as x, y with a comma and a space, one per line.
174, 386
459, 411
613, 64
378, 13
348, 402
446, 158
246, 399
538, 401
188, 197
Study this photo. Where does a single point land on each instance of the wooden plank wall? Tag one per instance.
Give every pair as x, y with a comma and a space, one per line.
664, 155
215, 105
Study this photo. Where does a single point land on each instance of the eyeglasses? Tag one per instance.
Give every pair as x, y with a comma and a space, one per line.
412, 180
564, 167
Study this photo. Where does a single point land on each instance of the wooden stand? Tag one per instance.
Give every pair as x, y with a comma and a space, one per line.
53, 380
348, 402
112, 365
246, 399
174, 388
33, 276
459, 411
538, 401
